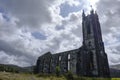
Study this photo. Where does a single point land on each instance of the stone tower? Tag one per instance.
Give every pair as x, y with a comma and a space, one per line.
96, 63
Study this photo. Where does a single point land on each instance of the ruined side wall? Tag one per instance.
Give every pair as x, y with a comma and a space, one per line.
43, 63
65, 60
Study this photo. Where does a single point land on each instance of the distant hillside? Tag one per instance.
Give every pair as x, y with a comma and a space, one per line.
115, 70
29, 68
14, 68
115, 66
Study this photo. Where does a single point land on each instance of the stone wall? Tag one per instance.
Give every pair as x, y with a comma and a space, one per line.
67, 61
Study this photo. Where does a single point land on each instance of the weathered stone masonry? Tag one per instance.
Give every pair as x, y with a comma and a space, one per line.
89, 60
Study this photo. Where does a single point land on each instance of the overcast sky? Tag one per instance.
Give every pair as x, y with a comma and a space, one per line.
29, 28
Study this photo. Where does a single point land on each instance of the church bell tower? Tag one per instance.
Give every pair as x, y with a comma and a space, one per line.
97, 61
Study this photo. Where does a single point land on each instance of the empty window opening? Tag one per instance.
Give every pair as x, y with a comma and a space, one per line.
88, 28
68, 62
91, 61
59, 58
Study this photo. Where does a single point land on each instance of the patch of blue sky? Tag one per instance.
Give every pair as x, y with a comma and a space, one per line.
39, 35
66, 9
4, 14
6, 17
1, 10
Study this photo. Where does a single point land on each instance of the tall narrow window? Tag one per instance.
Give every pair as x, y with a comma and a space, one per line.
88, 28
59, 62
91, 61
68, 62
59, 58
50, 65
43, 66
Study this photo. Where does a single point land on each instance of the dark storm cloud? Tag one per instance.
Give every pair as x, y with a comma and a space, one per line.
29, 12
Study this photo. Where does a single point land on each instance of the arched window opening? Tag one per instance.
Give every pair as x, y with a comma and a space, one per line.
88, 28
89, 44
68, 56
50, 65
59, 58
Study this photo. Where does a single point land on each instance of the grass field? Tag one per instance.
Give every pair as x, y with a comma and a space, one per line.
14, 76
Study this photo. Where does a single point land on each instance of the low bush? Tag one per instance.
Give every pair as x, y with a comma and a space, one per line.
57, 71
69, 75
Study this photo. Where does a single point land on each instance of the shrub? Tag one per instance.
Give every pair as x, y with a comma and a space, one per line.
57, 71
69, 76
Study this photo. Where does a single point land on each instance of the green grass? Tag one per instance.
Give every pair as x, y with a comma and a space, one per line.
22, 76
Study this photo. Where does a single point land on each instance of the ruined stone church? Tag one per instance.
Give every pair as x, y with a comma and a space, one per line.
88, 60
